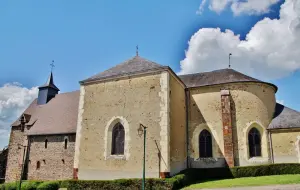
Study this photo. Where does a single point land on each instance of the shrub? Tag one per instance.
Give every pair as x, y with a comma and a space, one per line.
120, 184
9, 186
30, 185
49, 185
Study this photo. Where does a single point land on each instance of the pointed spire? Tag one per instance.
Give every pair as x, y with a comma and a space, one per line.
50, 82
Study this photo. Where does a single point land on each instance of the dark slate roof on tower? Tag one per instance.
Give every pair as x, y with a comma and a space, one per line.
135, 65
58, 116
221, 76
50, 83
285, 118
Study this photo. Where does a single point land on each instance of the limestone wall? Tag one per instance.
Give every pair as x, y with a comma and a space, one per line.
177, 126
252, 105
286, 144
132, 101
15, 155
56, 162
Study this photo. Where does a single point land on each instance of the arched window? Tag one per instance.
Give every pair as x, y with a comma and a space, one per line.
38, 165
205, 144
66, 143
118, 137
254, 142
46, 143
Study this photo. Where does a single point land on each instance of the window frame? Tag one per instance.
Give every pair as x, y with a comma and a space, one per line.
118, 148
208, 144
254, 143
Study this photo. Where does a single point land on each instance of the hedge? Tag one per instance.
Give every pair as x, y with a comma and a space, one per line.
179, 181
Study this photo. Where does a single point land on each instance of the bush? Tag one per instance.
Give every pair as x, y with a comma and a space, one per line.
49, 185
120, 184
179, 181
9, 186
30, 185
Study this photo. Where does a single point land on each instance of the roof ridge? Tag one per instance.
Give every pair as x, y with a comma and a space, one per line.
131, 66
207, 72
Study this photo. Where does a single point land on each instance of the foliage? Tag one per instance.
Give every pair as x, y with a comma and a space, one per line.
179, 181
134, 184
49, 185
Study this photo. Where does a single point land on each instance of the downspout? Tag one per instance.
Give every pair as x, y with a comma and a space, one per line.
271, 146
187, 99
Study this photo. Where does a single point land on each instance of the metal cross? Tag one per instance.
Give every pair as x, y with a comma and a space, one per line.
229, 58
137, 50
52, 65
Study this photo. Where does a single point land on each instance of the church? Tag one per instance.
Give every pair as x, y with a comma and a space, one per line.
221, 118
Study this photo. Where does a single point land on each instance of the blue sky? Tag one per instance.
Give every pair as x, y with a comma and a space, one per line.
85, 38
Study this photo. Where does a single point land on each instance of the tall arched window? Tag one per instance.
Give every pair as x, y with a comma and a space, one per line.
38, 165
118, 138
66, 143
254, 141
46, 143
205, 144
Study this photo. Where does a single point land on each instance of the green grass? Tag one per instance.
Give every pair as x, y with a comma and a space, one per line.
248, 181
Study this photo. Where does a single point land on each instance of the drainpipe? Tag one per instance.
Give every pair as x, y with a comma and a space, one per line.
187, 99
271, 146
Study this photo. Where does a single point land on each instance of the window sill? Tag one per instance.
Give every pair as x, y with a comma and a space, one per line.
258, 160
207, 160
116, 157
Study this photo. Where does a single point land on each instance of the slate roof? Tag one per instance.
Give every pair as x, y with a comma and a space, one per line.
50, 83
221, 76
58, 116
285, 118
135, 65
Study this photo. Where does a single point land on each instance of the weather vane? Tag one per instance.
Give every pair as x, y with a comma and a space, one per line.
229, 58
137, 50
52, 65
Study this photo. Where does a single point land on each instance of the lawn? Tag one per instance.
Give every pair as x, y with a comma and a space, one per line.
248, 181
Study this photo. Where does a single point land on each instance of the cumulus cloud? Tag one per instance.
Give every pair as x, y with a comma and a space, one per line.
280, 101
14, 99
271, 49
239, 7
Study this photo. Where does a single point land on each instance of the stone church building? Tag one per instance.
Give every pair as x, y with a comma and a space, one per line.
221, 118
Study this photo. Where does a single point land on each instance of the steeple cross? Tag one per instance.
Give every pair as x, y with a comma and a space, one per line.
137, 50
52, 65
230, 54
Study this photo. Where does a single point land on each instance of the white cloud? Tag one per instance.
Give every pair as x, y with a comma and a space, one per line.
271, 49
252, 6
14, 99
239, 7
201, 7
280, 101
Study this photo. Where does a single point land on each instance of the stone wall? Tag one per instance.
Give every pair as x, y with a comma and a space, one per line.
56, 162
15, 154
131, 101
3, 161
252, 105
286, 146
177, 125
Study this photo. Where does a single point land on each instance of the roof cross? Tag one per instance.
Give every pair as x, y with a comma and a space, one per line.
230, 54
52, 65
137, 50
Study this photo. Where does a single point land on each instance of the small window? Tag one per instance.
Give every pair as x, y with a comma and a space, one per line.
254, 142
63, 161
46, 143
205, 144
66, 143
38, 165
118, 137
